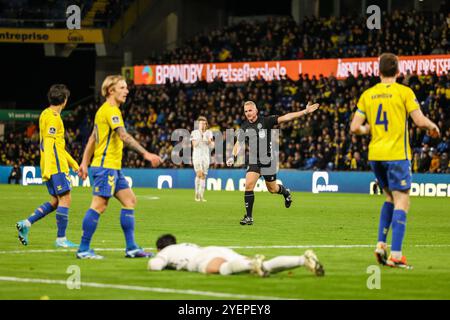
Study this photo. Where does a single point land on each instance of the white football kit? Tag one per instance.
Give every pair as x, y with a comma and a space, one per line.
200, 154
206, 254
190, 257
175, 256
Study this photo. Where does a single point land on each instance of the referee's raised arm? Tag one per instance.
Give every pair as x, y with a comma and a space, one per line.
294, 115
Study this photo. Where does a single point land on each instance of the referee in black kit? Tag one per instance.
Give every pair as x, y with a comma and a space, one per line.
257, 133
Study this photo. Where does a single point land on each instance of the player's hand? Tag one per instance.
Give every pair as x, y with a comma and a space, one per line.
311, 107
230, 161
434, 132
154, 159
365, 129
82, 171
75, 167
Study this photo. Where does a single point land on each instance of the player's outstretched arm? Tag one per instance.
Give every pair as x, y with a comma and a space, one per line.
48, 145
294, 115
208, 138
131, 143
156, 264
235, 152
72, 162
423, 122
357, 126
87, 156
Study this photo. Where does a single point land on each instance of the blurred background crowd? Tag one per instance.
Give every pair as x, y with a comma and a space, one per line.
320, 141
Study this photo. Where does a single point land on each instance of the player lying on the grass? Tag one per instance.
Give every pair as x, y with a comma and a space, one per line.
386, 107
261, 127
55, 163
201, 142
106, 144
222, 260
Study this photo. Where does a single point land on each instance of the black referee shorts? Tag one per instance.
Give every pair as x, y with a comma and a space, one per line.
257, 168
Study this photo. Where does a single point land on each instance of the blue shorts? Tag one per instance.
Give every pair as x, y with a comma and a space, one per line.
108, 182
59, 184
393, 175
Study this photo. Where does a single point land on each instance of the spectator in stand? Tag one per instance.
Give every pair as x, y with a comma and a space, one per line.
435, 161
425, 160
406, 33
15, 175
31, 130
357, 164
320, 142
444, 164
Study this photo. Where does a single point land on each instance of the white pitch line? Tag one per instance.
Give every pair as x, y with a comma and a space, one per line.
62, 250
333, 246
140, 288
149, 197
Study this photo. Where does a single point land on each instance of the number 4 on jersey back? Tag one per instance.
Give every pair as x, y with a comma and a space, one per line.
383, 121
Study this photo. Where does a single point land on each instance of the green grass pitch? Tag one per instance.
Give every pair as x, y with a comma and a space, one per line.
341, 228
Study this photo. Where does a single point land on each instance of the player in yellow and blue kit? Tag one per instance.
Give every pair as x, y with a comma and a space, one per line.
386, 108
105, 145
55, 163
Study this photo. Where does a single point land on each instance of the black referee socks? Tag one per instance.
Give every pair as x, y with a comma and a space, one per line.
249, 199
282, 190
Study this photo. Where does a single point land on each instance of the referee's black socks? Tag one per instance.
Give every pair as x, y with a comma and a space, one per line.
249, 199
283, 190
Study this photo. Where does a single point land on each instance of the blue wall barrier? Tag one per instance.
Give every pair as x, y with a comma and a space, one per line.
233, 179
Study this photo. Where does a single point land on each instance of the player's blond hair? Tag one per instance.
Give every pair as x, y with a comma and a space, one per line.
249, 102
202, 118
110, 81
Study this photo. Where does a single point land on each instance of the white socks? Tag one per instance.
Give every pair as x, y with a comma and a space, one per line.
235, 266
274, 265
27, 223
396, 255
202, 187
197, 185
281, 263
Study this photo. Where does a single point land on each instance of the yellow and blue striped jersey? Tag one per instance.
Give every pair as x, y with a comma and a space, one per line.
386, 106
54, 157
108, 146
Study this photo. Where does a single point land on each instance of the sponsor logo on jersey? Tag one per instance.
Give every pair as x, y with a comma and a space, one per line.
115, 119
52, 130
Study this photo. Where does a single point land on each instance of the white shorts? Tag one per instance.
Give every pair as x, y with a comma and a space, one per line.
201, 165
204, 257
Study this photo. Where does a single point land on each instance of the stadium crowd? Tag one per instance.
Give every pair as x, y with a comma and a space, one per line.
320, 141
405, 33
51, 13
